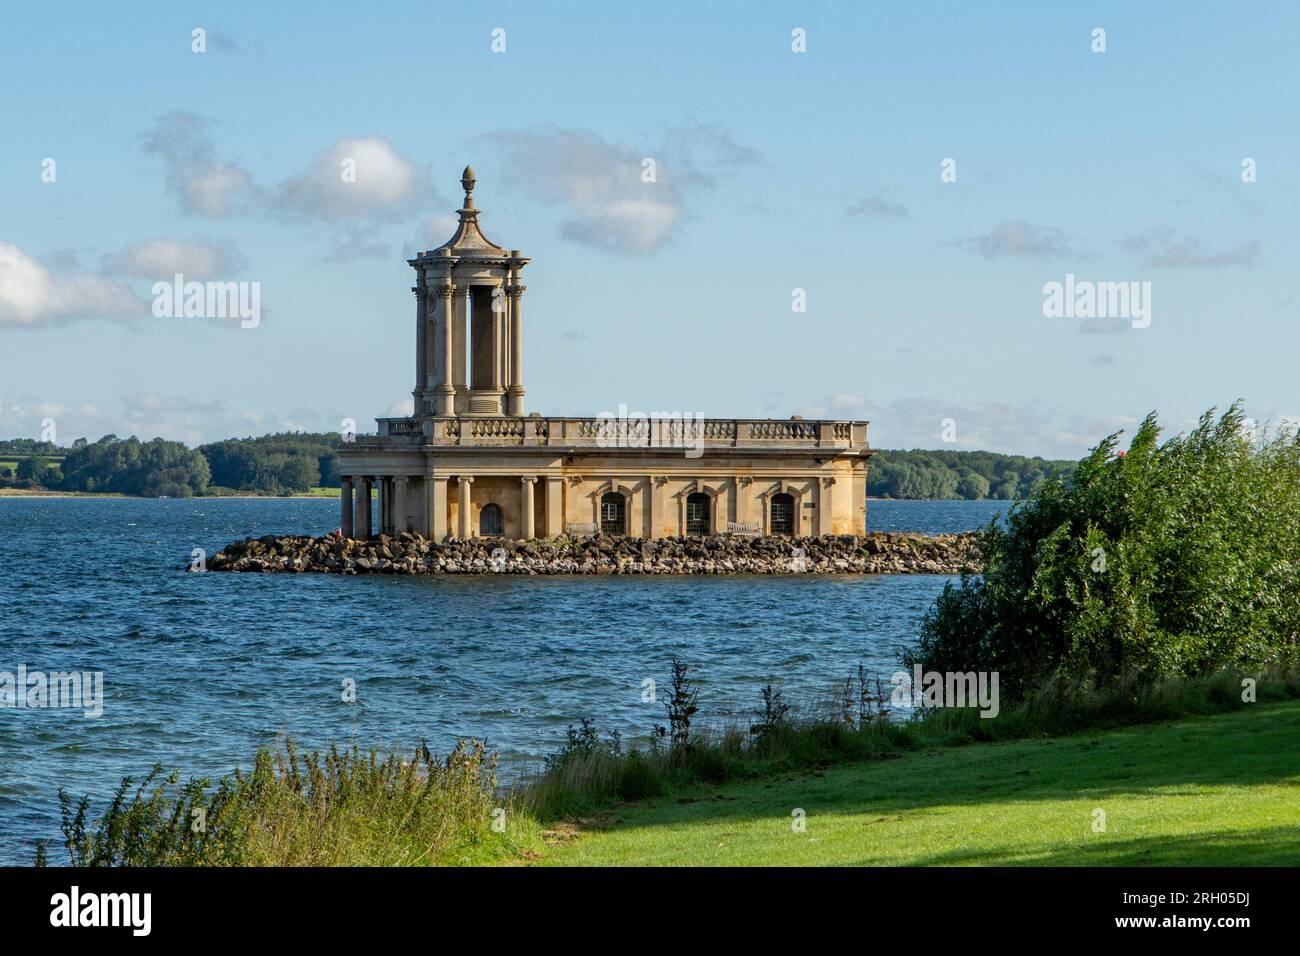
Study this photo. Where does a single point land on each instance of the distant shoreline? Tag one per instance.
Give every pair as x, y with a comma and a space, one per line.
32, 493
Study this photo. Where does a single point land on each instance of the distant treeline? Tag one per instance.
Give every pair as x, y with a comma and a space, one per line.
287, 463
958, 474
296, 462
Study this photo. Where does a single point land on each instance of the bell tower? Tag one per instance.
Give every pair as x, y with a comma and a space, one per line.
469, 332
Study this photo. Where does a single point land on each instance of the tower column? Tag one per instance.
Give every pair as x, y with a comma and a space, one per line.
515, 388
446, 398
463, 527
421, 346
345, 506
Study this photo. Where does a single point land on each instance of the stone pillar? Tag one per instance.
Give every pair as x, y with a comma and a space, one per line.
458, 316
741, 510
345, 506
436, 496
826, 507
527, 522
554, 506
381, 493
464, 530
421, 347
446, 393
656, 484
515, 388
361, 508
399, 503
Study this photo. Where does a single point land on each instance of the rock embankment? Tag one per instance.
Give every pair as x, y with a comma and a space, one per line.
881, 553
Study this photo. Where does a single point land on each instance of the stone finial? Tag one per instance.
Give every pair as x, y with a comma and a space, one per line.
467, 183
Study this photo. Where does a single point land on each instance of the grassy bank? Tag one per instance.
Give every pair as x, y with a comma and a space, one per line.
1185, 771
1220, 790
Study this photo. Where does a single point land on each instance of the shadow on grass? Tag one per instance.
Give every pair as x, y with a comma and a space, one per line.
1274, 846
1246, 748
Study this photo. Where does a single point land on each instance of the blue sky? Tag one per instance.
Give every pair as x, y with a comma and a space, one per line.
776, 170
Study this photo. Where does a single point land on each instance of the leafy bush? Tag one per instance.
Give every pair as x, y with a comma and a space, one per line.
1172, 559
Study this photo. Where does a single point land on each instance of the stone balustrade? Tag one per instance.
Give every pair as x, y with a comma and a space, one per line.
588, 433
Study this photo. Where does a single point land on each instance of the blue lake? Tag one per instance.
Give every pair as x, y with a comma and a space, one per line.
202, 669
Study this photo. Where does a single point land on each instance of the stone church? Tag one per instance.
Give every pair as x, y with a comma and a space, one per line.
470, 462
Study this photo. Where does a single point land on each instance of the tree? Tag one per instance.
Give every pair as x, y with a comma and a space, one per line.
971, 486
34, 469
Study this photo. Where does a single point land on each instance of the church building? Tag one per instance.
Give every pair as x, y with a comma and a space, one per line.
471, 462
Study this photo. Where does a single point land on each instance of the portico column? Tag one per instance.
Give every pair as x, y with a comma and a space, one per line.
526, 516
399, 503
437, 507
554, 506
657, 483
826, 507
463, 529
345, 506
741, 510
381, 493
361, 508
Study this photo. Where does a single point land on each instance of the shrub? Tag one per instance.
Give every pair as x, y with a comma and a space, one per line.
1174, 559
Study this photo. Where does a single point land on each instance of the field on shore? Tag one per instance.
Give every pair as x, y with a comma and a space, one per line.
1220, 790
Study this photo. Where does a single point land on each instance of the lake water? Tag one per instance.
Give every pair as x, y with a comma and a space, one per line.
200, 670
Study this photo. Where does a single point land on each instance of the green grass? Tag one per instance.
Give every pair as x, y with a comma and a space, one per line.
1218, 790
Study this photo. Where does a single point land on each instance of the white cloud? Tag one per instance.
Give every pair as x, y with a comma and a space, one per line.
354, 179
1166, 251
174, 417
31, 295
601, 187
380, 182
163, 258
205, 185
1020, 240
1028, 429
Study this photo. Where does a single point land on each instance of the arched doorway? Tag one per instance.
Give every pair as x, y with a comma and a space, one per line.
490, 522
697, 513
782, 514
613, 513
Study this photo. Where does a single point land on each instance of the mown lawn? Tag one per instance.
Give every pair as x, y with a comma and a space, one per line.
1222, 790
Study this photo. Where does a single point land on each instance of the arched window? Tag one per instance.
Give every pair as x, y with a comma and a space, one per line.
613, 513
697, 513
490, 523
782, 514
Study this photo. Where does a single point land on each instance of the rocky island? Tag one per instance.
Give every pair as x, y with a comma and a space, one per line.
408, 553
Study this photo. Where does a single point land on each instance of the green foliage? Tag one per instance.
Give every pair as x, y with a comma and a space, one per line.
1172, 559
36, 470
322, 809
132, 467
275, 464
958, 474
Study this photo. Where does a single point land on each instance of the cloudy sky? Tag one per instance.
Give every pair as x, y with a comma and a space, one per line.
775, 171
